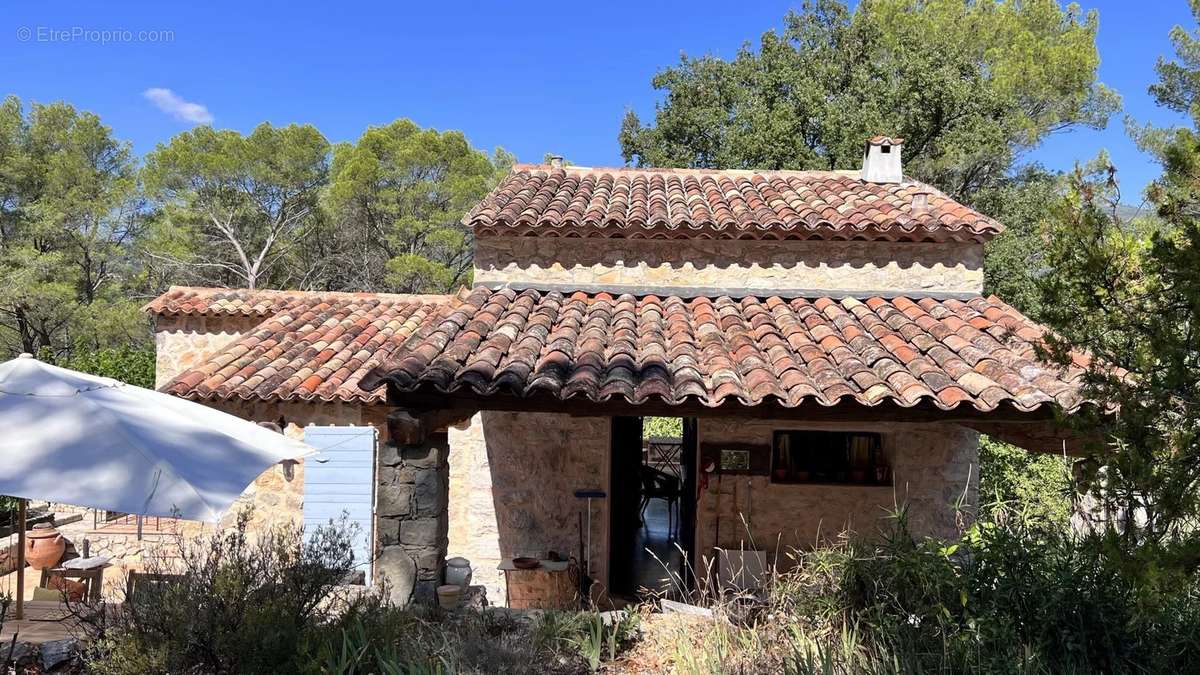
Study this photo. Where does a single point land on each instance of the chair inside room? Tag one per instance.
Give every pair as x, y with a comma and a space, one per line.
658, 484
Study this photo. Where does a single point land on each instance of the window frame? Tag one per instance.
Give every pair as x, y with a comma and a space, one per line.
878, 460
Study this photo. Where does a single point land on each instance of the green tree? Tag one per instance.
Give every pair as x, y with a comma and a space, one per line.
1014, 261
70, 215
234, 208
1131, 298
397, 197
130, 364
1129, 293
1034, 486
969, 85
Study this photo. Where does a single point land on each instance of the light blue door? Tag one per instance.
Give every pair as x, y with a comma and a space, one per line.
339, 480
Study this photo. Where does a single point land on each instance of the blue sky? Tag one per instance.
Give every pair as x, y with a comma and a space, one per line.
532, 77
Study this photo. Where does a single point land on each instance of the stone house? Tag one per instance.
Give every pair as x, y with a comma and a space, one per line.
822, 334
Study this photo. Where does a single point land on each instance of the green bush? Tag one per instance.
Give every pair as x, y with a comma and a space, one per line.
242, 604
131, 365
274, 603
371, 637
1008, 597
1027, 485
662, 427
1011, 595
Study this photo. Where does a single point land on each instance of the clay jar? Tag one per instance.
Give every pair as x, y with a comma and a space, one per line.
44, 547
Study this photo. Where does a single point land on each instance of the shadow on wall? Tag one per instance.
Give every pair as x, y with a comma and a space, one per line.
538, 461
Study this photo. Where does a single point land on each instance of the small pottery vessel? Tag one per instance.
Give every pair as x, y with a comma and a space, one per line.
458, 572
44, 547
448, 596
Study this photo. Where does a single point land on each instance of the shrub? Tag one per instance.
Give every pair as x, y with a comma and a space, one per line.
662, 427
1033, 487
242, 604
1018, 595
371, 637
1010, 596
274, 604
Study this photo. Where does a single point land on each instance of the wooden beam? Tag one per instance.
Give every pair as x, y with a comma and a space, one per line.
1048, 436
412, 426
1036, 431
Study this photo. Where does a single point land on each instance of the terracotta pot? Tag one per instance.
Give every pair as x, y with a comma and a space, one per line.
44, 547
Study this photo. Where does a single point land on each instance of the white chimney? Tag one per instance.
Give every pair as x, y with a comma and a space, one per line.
881, 160
556, 161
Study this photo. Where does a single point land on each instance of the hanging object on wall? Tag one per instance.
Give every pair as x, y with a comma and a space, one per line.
745, 459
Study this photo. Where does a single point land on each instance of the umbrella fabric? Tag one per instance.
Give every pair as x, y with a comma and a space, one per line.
92, 441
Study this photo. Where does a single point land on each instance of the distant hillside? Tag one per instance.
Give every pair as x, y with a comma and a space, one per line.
1127, 212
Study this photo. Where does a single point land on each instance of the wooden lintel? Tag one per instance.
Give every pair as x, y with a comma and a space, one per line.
1047, 436
413, 426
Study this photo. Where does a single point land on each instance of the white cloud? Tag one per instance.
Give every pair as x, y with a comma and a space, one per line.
174, 105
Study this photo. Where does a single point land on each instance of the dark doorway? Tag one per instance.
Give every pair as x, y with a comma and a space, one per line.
624, 498
689, 458
653, 520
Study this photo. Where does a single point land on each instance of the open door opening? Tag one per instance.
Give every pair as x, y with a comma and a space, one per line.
653, 505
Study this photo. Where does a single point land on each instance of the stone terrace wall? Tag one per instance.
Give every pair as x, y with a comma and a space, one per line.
513, 478
934, 466
766, 265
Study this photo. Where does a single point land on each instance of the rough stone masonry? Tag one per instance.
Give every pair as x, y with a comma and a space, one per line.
412, 495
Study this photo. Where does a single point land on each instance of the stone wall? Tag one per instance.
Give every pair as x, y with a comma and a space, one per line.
184, 341
412, 487
275, 499
513, 478
934, 466
766, 265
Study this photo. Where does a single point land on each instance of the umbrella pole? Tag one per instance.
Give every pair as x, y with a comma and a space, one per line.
21, 559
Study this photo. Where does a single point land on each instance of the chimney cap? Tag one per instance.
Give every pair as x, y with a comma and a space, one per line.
556, 161
881, 160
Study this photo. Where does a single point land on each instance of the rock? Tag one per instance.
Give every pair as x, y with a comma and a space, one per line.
429, 563
395, 500
421, 532
421, 456
475, 597
430, 493
389, 454
425, 593
58, 652
22, 652
672, 607
388, 531
613, 617
399, 571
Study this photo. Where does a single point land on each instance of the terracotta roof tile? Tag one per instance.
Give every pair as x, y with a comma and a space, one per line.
729, 204
721, 350
309, 346
322, 346
200, 301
